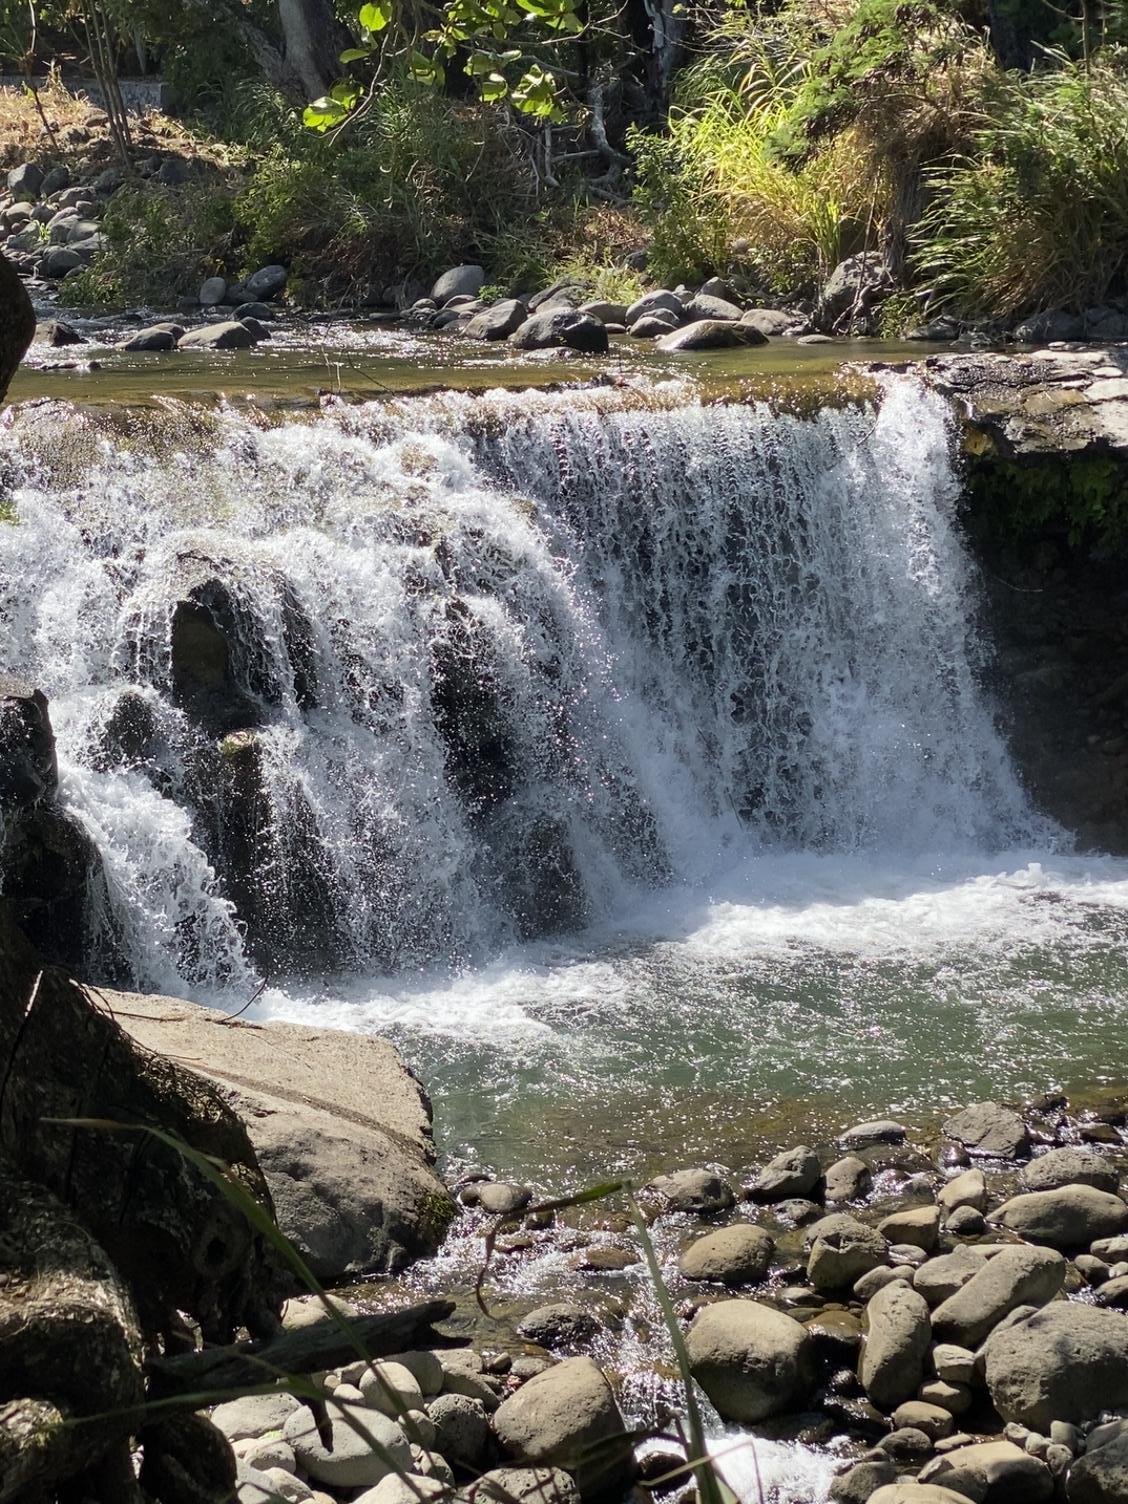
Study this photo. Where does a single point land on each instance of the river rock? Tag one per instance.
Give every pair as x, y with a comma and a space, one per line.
993, 1472
848, 1179
462, 1429
877, 1279
953, 1363
567, 1418
1101, 1475
1070, 1217
990, 1129
752, 1361
212, 292
1062, 1167
467, 279
605, 312
917, 1227
968, 1189
858, 1485
966, 1222
156, 337
365, 1446
391, 1389
699, 1191
941, 1277
653, 325
705, 306
1112, 1250
1114, 1292
413, 1488
770, 321
29, 770
1014, 1277
230, 334
1067, 1362
340, 1126
880, 1131
498, 322
897, 1342
710, 334
736, 1255
255, 1415
933, 1420
561, 1325
651, 302
556, 327
527, 1485
842, 1250
502, 1199
25, 181
264, 284
795, 1172
60, 260
916, 1493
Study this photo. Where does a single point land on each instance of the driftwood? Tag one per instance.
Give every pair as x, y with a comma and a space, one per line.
308, 1350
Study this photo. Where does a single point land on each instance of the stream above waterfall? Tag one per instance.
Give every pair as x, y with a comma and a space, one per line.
625, 758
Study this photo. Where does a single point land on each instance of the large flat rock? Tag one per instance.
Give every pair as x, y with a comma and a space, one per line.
341, 1128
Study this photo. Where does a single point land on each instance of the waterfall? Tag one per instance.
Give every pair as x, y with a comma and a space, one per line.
404, 683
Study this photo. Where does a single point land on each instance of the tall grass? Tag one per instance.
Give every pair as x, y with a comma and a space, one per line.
1036, 214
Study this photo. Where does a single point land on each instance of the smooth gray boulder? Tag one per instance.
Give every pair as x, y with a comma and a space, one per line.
710, 334
794, 1172
990, 1129
704, 306
1015, 1277
254, 1415
393, 1489
498, 322
968, 1189
462, 1429
158, 337
465, 280
229, 334
848, 1179
699, 1191
212, 292
994, 1472
651, 302
25, 181
842, 1250
736, 1255
341, 1128
1073, 1216
896, 1346
1067, 1362
751, 1360
562, 1324
567, 1417
771, 322
941, 1277
263, 285
1071, 1166
913, 1227
653, 325
364, 1448
551, 328
605, 312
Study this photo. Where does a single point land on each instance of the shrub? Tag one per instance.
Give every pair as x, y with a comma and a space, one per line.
1036, 214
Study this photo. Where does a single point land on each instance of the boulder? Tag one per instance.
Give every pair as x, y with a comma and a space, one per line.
653, 325
1101, 1475
230, 334
941, 1277
795, 1172
157, 337
915, 1227
58, 333
933, 1420
700, 1191
706, 306
842, 1250
254, 1415
364, 1446
467, 280
954, 1364
968, 1189
852, 291
859, 1484
848, 1179
771, 322
1052, 324
993, 1472
413, 1488
1014, 1277
990, 1129
501, 1199
340, 1126
526, 1485
60, 260
462, 1429
25, 181
1114, 1293
897, 1342
606, 313
560, 1325
567, 1417
1070, 1217
1067, 1363
212, 292
651, 302
916, 1493
711, 334
751, 1360
498, 322
260, 311
737, 1255
560, 327
29, 771
263, 285
1061, 1167
391, 1389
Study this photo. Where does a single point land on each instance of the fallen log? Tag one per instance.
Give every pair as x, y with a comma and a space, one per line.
312, 1349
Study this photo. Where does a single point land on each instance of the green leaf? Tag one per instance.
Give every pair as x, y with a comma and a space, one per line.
374, 16
355, 54
323, 113
424, 69
492, 88
535, 95
346, 94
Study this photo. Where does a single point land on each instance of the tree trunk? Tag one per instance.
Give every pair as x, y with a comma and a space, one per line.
315, 40
17, 322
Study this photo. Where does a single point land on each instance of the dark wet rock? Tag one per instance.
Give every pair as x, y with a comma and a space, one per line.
1061, 1167
29, 771
540, 883
265, 284
552, 327
560, 1325
794, 1172
990, 1129
752, 1361
897, 1342
498, 322
711, 334
567, 1417
1067, 1362
212, 292
58, 333
1070, 1217
861, 1482
852, 293
1014, 1277
734, 1255
699, 1191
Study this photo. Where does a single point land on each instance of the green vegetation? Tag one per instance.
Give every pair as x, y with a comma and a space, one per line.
1082, 501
